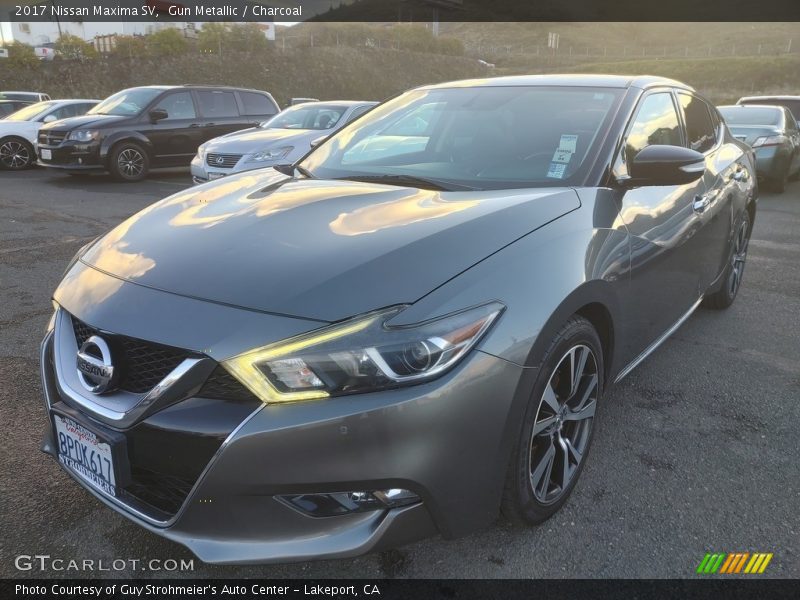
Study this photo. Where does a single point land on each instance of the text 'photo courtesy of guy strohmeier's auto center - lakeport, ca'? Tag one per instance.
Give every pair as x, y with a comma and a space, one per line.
399, 299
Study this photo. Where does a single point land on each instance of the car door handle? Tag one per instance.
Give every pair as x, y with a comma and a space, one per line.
700, 203
194, 125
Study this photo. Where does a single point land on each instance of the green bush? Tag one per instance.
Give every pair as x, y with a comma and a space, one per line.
130, 46
166, 42
74, 48
21, 56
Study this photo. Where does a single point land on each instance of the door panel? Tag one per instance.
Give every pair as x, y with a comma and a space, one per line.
220, 113
663, 225
176, 138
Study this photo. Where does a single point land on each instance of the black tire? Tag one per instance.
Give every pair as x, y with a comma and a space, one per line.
734, 271
128, 162
16, 154
534, 491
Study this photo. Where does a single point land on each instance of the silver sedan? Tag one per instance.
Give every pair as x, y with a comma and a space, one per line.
282, 140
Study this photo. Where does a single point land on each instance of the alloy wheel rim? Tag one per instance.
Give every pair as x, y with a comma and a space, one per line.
563, 424
14, 155
131, 162
738, 259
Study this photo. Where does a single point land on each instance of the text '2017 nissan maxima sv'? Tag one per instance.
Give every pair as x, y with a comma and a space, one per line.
408, 331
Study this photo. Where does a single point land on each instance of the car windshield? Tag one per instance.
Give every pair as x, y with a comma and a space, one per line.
306, 116
792, 105
18, 96
751, 115
472, 138
29, 113
127, 103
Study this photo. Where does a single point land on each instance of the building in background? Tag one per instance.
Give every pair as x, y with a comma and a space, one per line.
47, 32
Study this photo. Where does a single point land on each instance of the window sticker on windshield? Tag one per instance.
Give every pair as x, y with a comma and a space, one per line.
568, 143
557, 170
562, 156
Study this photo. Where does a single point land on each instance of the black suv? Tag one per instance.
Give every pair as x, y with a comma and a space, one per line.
152, 126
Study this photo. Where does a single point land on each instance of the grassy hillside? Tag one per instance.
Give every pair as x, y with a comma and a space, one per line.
325, 73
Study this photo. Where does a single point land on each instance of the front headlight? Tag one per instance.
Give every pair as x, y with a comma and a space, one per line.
201, 151
271, 154
83, 135
365, 354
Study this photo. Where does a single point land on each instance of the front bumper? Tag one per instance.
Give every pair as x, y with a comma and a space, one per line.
70, 155
203, 173
447, 441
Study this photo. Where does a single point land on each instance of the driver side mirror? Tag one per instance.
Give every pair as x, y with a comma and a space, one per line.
158, 114
49, 119
318, 141
666, 165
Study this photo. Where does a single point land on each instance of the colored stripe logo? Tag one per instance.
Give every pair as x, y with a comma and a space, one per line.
734, 563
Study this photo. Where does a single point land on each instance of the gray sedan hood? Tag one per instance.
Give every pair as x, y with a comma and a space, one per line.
313, 248
256, 139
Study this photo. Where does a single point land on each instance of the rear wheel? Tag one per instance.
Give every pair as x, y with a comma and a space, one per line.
558, 425
732, 279
16, 154
128, 162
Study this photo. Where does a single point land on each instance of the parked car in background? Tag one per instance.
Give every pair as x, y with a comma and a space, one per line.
773, 134
44, 53
28, 96
8, 107
790, 102
140, 128
283, 139
349, 354
19, 131
294, 101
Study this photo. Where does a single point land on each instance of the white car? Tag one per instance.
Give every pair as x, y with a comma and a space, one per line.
19, 130
282, 140
27, 96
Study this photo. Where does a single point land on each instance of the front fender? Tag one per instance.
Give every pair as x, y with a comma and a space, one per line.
134, 136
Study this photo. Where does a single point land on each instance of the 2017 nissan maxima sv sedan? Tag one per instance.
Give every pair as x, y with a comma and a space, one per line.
407, 331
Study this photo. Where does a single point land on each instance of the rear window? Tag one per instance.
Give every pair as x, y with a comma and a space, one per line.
257, 104
751, 115
792, 105
218, 104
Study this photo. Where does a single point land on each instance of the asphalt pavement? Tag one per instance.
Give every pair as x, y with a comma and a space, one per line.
695, 451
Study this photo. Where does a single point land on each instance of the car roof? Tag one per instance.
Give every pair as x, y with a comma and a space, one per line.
567, 80
347, 103
753, 106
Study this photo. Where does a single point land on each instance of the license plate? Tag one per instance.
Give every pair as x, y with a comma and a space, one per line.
46, 154
213, 176
86, 454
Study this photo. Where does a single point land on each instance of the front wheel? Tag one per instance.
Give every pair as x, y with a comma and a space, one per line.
558, 425
16, 154
732, 278
128, 162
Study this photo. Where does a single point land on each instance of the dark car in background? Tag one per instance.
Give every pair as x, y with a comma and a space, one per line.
141, 128
790, 102
369, 347
8, 107
773, 134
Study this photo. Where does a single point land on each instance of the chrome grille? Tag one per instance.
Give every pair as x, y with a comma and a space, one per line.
51, 138
222, 161
144, 364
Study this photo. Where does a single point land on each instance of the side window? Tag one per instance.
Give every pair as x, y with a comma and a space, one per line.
257, 104
178, 106
217, 104
791, 124
700, 130
357, 113
64, 112
656, 123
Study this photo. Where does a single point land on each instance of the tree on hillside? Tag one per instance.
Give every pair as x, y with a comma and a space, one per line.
130, 46
245, 38
165, 42
22, 56
72, 47
211, 37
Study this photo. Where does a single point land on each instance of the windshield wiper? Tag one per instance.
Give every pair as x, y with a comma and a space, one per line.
304, 172
411, 180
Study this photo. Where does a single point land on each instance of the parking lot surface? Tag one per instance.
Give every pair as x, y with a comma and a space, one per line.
695, 451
